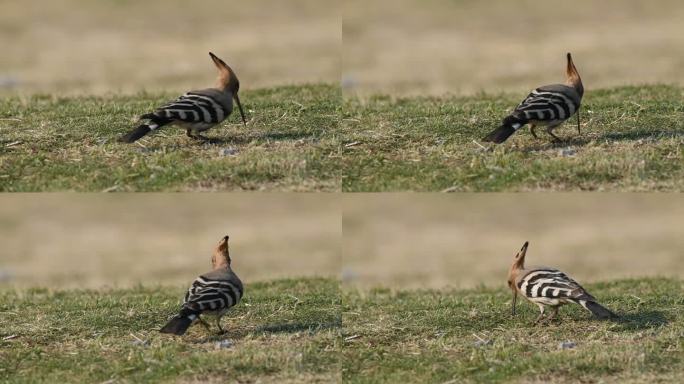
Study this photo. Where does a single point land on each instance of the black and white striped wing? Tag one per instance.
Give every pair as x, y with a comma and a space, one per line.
212, 295
194, 107
551, 286
547, 104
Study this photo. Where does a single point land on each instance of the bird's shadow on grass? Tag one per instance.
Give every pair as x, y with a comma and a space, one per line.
294, 327
207, 143
247, 139
232, 140
278, 136
545, 145
641, 320
298, 327
580, 141
639, 135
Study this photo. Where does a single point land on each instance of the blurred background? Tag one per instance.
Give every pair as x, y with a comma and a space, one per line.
89, 240
431, 47
108, 46
465, 240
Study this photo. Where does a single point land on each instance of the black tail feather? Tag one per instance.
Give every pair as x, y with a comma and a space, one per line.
506, 129
500, 134
181, 322
598, 310
135, 134
142, 130
177, 326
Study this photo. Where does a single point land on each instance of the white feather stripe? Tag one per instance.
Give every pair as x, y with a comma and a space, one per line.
216, 106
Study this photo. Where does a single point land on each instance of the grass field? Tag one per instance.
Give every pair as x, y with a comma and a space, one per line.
631, 141
450, 336
284, 331
53, 143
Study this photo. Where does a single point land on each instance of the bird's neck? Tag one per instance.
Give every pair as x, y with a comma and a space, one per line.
223, 266
573, 79
517, 271
226, 83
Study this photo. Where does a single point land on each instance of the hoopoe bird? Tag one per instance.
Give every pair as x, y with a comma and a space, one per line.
549, 287
196, 111
212, 293
548, 106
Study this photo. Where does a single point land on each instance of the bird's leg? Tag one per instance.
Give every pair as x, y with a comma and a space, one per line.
552, 315
218, 324
201, 320
193, 135
549, 130
541, 315
532, 127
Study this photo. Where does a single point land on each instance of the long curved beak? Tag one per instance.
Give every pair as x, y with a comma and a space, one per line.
242, 113
515, 299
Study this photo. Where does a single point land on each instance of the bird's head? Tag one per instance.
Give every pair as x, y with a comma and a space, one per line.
516, 267
573, 78
228, 81
221, 256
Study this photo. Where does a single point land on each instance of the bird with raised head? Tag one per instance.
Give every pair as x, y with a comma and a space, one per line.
212, 293
196, 111
548, 106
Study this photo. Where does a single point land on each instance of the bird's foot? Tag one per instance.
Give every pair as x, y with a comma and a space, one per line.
557, 140
205, 325
534, 134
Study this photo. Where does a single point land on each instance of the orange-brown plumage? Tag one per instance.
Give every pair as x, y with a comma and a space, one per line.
221, 257
573, 78
227, 81
548, 105
550, 287
514, 272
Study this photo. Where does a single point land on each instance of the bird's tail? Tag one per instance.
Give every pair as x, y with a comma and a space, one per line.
508, 127
598, 310
180, 323
144, 129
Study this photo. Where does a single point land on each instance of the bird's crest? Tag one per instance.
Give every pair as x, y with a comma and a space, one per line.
221, 256
227, 80
518, 263
573, 78
517, 266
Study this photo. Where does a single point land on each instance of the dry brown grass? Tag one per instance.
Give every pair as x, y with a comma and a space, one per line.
84, 240
465, 46
77, 46
463, 240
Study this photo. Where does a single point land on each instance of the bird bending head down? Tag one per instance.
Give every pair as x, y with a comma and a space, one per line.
549, 287
517, 266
